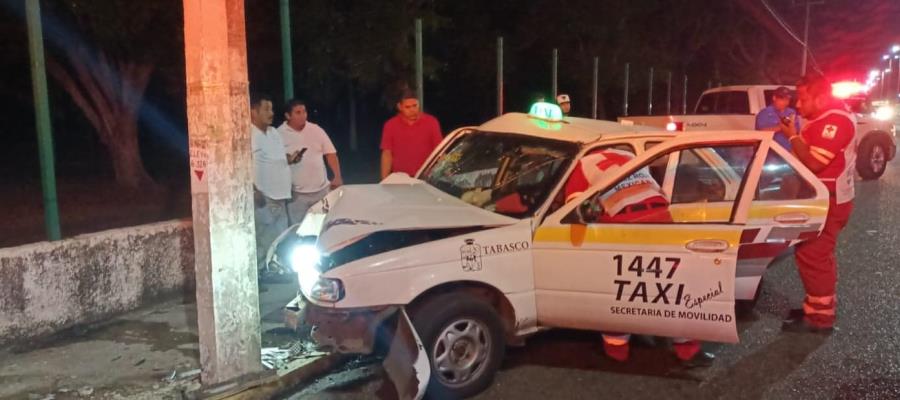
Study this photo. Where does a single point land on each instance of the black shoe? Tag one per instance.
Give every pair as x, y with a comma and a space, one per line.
793, 315
801, 326
700, 360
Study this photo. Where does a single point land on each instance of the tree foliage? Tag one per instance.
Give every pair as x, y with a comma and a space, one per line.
103, 55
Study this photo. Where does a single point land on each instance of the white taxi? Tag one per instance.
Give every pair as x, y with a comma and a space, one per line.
480, 249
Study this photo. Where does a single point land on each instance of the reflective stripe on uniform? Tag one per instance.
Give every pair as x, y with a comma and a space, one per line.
823, 300
824, 156
811, 310
822, 151
616, 340
819, 305
820, 158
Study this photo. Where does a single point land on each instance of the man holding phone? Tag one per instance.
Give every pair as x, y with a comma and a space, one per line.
771, 117
306, 144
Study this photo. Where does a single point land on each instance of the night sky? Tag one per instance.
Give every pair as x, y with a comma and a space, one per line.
344, 47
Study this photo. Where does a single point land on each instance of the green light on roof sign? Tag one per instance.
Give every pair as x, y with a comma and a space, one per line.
546, 111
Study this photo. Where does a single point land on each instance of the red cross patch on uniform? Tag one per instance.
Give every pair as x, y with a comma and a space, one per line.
830, 131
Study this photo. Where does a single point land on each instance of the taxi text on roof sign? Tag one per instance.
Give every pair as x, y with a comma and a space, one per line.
546, 111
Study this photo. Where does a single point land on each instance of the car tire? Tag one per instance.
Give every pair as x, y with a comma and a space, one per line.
872, 156
477, 351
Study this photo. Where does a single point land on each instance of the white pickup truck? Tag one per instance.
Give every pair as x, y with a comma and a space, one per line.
735, 108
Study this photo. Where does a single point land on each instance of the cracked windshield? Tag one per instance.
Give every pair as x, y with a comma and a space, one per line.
504, 173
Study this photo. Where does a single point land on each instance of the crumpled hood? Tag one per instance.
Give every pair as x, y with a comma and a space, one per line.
356, 211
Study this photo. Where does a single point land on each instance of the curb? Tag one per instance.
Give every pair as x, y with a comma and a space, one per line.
271, 385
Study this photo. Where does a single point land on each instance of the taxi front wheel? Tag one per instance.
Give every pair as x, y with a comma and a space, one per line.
464, 340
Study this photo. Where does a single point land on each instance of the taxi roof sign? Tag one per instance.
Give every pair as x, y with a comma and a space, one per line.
546, 111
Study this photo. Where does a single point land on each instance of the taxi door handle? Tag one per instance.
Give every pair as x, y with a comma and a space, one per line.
707, 246
792, 218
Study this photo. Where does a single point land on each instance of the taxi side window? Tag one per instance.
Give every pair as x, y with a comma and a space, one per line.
711, 174
779, 181
707, 184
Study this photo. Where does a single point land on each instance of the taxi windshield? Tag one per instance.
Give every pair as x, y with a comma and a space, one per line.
505, 173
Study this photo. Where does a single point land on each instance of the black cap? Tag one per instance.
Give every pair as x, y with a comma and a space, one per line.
782, 92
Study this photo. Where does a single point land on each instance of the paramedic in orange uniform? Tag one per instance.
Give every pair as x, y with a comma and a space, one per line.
827, 146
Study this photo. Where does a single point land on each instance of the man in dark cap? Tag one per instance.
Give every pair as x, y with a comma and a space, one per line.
771, 117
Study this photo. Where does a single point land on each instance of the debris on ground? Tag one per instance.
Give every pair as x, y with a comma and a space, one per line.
278, 357
182, 376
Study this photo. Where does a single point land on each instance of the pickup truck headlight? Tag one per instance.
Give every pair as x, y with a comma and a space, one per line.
884, 113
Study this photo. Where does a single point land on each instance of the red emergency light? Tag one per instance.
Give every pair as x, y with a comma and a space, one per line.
847, 89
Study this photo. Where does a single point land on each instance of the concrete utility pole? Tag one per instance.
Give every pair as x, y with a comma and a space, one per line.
42, 118
218, 111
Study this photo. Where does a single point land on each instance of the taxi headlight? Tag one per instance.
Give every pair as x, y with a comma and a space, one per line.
327, 289
304, 259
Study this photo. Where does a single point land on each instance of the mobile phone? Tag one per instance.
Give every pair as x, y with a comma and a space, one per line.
787, 119
297, 156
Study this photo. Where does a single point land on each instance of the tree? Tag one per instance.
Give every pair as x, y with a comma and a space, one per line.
106, 64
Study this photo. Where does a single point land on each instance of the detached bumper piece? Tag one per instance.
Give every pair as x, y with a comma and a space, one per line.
356, 332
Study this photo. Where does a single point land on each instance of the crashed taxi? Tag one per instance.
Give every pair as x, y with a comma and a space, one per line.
486, 245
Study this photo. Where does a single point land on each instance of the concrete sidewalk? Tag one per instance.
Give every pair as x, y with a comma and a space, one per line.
131, 356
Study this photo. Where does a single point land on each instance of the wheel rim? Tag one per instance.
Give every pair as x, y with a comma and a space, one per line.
460, 353
878, 159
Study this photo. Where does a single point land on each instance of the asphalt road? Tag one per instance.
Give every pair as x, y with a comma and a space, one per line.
861, 360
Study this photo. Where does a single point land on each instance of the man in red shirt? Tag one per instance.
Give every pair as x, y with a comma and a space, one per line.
408, 138
827, 146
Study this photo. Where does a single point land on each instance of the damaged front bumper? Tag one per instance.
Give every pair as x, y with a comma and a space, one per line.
356, 331
347, 331
350, 331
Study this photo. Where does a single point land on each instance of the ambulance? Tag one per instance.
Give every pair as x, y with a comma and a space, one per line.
480, 249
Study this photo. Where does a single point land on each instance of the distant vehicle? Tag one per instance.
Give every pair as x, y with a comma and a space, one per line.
481, 249
735, 108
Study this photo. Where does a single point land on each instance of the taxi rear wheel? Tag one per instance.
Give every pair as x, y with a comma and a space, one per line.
463, 337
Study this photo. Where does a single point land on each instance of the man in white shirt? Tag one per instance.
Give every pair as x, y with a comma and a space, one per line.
306, 144
271, 176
